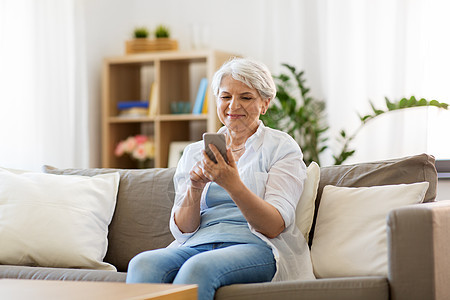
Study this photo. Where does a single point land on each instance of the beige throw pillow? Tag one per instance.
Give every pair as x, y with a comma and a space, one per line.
304, 214
350, 234
55, 221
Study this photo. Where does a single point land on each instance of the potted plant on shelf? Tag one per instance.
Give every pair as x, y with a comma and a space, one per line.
162, 32
140, 33
141, 43
163, 40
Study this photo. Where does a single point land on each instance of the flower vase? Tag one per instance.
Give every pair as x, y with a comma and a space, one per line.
145, 164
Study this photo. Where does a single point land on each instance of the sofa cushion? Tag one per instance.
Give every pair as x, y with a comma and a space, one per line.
350, 237
141, 218
24, 272
356, 288
410, 169
304, 213
56, 221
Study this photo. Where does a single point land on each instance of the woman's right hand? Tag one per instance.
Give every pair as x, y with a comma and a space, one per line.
187, 216
198, 179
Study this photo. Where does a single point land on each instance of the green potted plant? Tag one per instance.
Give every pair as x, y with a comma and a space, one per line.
303, 117
162, 32
140, 33
142, 43
299, 114
163, 41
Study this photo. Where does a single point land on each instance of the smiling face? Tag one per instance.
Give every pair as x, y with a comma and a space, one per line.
239, 106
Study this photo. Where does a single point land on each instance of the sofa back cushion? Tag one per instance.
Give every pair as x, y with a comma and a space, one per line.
409, 169
141, 217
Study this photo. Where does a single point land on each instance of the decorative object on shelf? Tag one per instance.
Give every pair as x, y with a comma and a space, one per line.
175, 151
180, 107
139, 147
200, 36
304, 119
141, 42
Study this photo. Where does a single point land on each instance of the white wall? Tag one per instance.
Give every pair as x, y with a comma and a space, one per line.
351, 51
242, 27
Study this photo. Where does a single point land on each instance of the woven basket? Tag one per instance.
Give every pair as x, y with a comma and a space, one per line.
147, 45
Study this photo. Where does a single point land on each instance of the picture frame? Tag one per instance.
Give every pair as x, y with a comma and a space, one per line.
176, 151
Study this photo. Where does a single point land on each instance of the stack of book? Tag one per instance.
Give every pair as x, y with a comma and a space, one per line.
132, 108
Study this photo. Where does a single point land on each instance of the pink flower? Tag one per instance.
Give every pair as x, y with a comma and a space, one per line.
120, 149
139, 147
139, 152
140, 139
130, 144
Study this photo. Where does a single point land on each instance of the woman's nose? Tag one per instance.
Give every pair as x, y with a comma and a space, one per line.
234, 103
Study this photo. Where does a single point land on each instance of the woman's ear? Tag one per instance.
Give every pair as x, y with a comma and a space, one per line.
265, 106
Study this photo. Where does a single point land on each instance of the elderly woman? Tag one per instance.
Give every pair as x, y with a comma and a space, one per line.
234, 222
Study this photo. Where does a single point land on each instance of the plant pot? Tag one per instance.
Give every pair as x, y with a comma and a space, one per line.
150, 45
145, 164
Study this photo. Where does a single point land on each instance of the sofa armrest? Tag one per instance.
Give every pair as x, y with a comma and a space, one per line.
418, 251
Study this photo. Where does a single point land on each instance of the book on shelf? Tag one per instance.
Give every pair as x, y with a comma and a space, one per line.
130, 109
130, 104
153, 100
198, 104
205, 103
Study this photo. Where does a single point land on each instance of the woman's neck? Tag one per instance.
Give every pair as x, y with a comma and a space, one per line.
236, 140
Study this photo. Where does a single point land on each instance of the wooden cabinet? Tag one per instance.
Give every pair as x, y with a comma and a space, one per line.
176, 76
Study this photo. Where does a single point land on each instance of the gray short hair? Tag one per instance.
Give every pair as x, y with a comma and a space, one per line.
252, 73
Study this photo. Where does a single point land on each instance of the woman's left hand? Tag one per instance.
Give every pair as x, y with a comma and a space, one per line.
222, 173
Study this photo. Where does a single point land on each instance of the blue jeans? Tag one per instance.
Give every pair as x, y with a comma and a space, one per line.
210, 266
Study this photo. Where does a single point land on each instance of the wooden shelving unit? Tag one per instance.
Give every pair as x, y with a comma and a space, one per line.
177, 75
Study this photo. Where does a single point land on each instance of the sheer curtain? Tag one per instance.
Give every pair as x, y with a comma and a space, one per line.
354, 51
43, 117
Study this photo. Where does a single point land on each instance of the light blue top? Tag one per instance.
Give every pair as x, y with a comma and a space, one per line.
222, 221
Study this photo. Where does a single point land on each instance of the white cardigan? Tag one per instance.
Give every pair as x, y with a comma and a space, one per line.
272, 167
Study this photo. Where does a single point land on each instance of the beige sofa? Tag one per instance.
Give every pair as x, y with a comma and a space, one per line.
418, 236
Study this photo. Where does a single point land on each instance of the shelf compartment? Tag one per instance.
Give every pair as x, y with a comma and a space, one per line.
177, 75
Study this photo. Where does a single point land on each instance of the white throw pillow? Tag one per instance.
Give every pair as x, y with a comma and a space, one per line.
56, 220
304, 214
350, 236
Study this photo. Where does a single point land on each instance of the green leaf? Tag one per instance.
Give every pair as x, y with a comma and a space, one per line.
375, 110
403, 103
422, 102
389, 104
412, 101
435, 103
301, 116
365, 118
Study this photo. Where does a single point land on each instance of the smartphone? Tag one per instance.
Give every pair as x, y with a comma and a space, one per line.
218, 140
